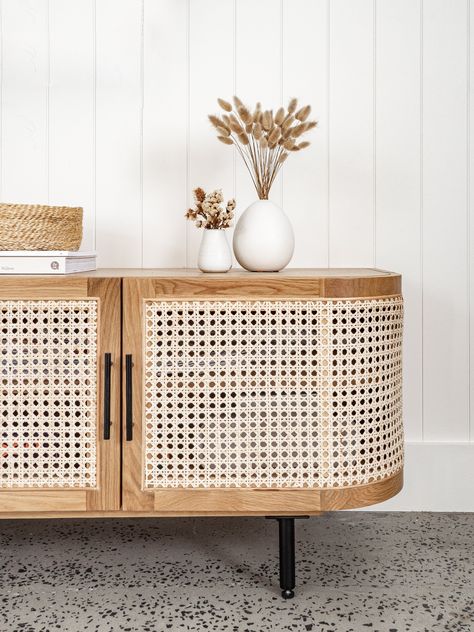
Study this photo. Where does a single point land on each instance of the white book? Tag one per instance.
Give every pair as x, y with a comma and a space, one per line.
46, 261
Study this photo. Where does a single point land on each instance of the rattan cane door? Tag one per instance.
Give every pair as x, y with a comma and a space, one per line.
240, 403
59, 389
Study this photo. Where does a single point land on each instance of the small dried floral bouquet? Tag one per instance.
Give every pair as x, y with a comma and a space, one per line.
208, 211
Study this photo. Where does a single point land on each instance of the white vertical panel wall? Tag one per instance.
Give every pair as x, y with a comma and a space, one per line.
445, 220
118, 151
25, 99
104, 104
165, 132
351, 133
398, 200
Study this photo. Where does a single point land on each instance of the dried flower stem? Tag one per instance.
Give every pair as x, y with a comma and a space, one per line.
208, 206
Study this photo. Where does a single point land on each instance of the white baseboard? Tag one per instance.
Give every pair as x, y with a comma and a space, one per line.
438, 477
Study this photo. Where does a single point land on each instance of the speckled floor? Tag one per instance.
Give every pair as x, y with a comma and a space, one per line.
355, 572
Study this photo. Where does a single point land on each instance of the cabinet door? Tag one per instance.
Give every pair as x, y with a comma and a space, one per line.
199, 428
59, 394
243, 398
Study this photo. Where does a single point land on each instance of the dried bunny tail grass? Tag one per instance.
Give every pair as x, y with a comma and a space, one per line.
226, 140
303, 113
274, 135
257, 114
235, 126
262, 138
279, 116
225, 105
287, 122
267, 120
244, 139
298, 130
257, 131
216, 121
292, 105
245, 114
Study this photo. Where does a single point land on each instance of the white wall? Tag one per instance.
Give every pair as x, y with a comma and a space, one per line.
104, 104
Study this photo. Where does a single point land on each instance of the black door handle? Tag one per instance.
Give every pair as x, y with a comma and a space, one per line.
107, 384
128, 398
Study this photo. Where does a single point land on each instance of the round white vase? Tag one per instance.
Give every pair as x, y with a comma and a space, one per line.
263, 238
214, 253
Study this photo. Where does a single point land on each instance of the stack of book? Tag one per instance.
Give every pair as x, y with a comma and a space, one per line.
46, 262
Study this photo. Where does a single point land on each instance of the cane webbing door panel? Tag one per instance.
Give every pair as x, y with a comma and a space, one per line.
249, 403
54, 334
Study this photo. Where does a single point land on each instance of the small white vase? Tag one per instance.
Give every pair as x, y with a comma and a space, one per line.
263, 238
214, 253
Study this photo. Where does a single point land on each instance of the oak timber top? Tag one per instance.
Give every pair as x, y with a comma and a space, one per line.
237, 273
292, 283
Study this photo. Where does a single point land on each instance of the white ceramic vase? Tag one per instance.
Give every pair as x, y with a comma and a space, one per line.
263, 238
214, 253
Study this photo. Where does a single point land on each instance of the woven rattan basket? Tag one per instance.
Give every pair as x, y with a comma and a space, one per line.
34, 227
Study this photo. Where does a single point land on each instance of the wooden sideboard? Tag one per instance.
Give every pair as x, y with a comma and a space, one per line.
272, 394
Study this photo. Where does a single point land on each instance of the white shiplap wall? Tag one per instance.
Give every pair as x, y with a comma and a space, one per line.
104, 104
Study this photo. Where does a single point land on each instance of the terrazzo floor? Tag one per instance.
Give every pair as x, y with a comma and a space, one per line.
379, 572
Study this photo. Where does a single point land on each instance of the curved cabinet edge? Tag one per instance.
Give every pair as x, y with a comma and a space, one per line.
362, 495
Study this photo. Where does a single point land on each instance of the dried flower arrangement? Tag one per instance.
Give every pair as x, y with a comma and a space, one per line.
262, 138
208, 211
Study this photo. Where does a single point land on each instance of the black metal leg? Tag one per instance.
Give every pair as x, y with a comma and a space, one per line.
286, 532
286, 528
